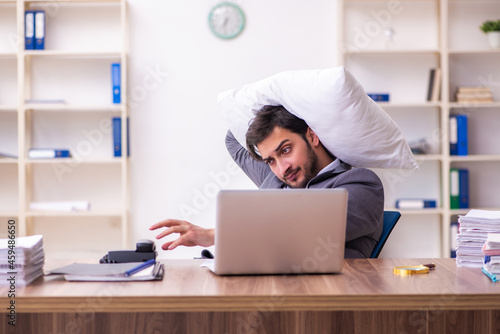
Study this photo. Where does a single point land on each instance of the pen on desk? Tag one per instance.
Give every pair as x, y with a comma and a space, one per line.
140, 267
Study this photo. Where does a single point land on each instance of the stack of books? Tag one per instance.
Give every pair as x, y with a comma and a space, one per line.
474, 94
472, 234
22, 260
491, 251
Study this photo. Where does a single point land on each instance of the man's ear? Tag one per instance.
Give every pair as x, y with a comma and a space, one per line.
312, 137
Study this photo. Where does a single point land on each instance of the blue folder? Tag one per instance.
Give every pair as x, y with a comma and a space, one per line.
116, 82
29, 30
39, 30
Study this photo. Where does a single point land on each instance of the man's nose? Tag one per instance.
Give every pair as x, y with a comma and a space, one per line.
283, 166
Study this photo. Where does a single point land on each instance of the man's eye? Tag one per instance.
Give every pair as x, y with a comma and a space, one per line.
270, 162
286, 150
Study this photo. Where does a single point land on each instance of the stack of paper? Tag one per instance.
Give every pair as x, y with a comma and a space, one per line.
491, 251
472, 234
22, 260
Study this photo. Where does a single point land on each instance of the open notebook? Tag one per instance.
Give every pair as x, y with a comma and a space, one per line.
108, 272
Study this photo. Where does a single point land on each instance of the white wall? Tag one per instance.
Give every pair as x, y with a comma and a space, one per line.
177, 68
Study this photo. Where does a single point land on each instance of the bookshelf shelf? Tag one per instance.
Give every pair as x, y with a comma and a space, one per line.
72, 161
474, 52
475, 158
395, 57
77, 1
8, 108
428, 157
74, 108
456, 105
102, 214
456, 212
8, 214
436, 211
73, 54
8, 54
390, 52
387, 105
82, 40
8, 161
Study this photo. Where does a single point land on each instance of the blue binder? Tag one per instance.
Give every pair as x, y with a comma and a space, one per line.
40, 30
463, 176
116, 82
453, 135
379, 97
117, 137
462, 139
458, 135
415, 203
48, 153
29, 30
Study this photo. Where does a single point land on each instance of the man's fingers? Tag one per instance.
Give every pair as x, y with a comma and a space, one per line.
176, 242
167, 223
166, 245
170, 230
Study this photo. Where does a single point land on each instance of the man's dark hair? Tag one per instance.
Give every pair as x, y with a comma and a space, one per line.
264, 123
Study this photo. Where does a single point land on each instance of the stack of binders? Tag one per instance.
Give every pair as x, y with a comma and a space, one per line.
34, 30
472, 234
22, 260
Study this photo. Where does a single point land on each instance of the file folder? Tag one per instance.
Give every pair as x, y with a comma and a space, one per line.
29, 30
463, 180
48, 153
116, 82
458, 135
117, 137
462, 140
453, 135
454, 188
40, 30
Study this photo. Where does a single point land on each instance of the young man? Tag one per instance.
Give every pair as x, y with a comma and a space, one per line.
284, 152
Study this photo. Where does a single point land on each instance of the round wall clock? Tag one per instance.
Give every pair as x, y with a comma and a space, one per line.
226, 20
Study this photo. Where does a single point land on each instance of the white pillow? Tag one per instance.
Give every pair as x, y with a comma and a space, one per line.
334, 105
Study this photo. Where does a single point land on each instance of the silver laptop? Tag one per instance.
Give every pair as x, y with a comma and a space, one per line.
280, 231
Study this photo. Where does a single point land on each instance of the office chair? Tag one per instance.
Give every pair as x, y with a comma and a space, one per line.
390, 220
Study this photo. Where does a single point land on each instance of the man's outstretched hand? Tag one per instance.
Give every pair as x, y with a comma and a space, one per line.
190, 235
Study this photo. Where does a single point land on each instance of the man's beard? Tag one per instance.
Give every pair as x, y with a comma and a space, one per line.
310, 169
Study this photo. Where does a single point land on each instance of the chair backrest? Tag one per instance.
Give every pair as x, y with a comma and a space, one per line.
390, 220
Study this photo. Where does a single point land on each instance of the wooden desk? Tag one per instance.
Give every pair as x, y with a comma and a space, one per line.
365, 298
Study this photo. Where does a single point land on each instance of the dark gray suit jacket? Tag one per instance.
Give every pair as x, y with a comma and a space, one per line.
365, 209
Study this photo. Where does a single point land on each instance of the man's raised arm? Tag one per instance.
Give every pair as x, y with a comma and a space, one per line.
255, 170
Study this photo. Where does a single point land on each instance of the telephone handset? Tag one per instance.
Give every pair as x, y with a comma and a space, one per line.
145, 251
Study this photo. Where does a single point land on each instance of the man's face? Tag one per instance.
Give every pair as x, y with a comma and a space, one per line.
290, 157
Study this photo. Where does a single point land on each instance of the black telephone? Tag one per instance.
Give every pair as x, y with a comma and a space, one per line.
145, 251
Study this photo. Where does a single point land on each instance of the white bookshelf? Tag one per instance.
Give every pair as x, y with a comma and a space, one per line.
428, 34
83, 38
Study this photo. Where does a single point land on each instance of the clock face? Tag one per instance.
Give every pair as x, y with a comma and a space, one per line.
226, 20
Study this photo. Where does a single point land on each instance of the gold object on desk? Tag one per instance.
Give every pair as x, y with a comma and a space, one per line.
414, 270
